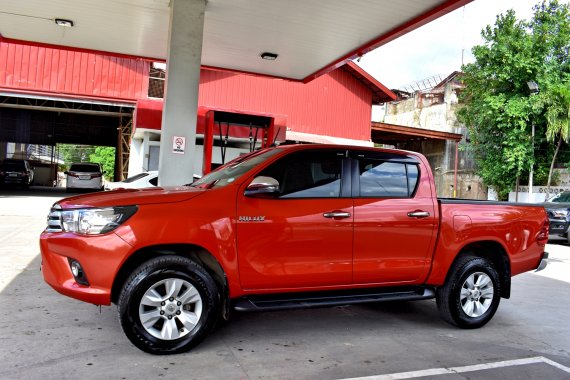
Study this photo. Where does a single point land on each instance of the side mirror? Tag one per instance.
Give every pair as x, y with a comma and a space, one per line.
262, 187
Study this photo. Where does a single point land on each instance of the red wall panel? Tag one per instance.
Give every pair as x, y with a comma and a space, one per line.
335, 104
65, 71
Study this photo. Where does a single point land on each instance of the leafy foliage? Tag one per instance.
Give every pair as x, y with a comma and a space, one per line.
87, 153
105, 156
499, 109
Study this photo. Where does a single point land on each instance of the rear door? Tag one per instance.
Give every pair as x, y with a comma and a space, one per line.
395, 222
302, 237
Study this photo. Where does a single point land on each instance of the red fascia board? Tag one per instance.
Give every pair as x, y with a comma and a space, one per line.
233, 71
77, 49
372, 81
441, 10
66, 96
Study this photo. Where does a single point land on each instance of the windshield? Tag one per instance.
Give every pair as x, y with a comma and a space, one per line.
563, 197
234, 169
14, 166
90, 168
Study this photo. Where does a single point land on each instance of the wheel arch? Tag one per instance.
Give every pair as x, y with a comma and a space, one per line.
194, 252
495, 253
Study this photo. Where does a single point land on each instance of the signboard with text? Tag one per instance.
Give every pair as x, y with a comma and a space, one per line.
178, 144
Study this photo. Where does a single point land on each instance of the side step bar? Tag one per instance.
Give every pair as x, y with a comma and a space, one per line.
324, 299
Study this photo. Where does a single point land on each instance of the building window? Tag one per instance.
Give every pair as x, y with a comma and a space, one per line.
157, 78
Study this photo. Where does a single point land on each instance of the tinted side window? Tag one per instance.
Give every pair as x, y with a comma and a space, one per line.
308, 175
387, 179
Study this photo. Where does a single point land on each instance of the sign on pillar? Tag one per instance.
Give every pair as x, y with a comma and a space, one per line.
178, 144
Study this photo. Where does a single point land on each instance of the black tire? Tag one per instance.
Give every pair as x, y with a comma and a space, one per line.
452, 308
158, 274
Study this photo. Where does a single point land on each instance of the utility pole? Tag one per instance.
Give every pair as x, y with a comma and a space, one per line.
533, 88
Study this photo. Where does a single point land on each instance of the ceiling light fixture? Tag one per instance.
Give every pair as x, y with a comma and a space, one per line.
63, 22
269, 56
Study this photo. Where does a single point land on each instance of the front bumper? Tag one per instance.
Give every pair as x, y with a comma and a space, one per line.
100, 256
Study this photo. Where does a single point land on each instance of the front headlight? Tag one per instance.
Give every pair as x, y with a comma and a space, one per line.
94, 221
559, 213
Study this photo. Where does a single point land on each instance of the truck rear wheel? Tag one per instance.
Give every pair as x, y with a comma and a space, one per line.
471, 294
168, 305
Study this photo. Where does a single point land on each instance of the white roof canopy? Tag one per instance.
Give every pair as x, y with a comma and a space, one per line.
309, 36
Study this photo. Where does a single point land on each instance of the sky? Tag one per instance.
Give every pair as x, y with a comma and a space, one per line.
436, 48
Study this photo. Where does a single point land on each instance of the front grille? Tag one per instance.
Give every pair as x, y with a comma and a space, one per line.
54, 220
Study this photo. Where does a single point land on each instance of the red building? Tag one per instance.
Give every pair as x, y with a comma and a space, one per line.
51, 95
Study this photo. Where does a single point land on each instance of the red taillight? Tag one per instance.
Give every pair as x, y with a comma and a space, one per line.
542, 237
72, 174
98, 175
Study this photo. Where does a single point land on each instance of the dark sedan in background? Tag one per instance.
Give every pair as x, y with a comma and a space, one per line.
16, 172
558, 209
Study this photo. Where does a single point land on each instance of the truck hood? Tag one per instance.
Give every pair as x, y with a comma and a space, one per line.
126, 197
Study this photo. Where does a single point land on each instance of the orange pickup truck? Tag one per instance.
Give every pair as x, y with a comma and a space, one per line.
288, 227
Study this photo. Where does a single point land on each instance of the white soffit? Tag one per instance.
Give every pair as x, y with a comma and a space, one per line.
308, 35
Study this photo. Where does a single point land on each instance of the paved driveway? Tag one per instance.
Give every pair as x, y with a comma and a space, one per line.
48, 336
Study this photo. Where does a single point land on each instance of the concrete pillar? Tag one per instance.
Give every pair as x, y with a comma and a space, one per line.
176, 166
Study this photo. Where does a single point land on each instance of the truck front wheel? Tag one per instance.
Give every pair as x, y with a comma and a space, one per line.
471, 294
168, 305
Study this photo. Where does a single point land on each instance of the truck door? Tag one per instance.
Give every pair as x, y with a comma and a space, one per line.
394, 219
301, 237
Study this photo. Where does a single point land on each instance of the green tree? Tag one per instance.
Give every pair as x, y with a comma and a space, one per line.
498, 108
558, 120
75, 153
105, 156
551, 37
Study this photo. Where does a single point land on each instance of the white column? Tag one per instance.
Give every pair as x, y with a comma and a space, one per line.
181, 99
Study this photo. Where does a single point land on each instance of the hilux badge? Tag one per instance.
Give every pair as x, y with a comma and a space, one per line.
251, 218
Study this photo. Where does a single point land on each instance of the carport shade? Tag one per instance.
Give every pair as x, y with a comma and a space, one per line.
309, 37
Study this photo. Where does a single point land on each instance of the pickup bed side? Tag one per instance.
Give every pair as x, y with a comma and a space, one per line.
512, 236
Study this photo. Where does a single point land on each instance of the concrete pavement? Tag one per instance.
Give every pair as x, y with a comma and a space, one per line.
49, 336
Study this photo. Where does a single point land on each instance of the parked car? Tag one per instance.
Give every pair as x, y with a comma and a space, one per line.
16, 172
558, 210
288, 227
84, 175
139, 181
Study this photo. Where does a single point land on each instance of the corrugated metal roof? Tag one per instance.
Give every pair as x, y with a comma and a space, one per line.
65, 71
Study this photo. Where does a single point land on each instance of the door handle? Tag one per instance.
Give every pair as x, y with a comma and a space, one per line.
337, 214
418, 214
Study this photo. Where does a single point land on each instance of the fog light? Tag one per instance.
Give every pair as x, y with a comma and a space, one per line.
78, 272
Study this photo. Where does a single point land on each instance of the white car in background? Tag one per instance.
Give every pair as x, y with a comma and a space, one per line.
84, 175
139, 181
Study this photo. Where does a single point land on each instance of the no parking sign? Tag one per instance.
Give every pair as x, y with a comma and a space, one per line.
178, 144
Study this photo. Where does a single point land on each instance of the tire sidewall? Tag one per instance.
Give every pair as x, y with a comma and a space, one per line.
460, 317
136, 288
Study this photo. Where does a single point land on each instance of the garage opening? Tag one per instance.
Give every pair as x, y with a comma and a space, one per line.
35, 129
